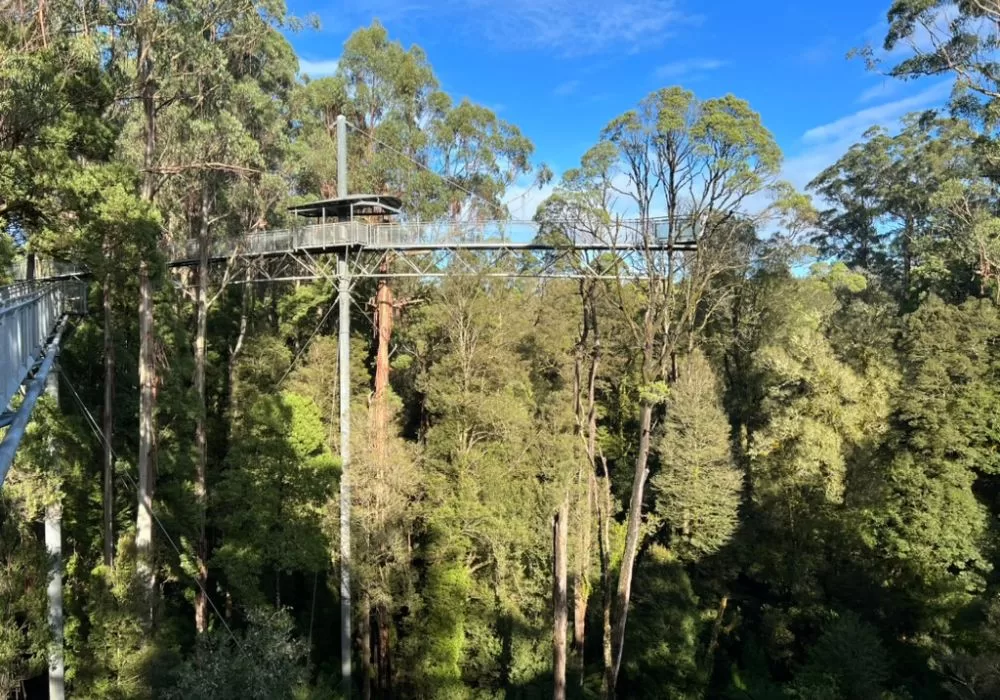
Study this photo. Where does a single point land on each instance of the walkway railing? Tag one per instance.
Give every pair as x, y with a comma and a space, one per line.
629, 234
316, 236
28, 315
442, 234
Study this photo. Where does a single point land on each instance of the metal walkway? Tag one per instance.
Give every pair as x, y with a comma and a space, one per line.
33, 313
422, 236
425, 247
33, 316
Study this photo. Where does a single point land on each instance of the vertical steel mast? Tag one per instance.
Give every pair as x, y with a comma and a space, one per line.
344, 362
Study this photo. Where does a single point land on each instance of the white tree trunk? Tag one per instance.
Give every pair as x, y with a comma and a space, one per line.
53, 543
144, 517
559, 600
631, 539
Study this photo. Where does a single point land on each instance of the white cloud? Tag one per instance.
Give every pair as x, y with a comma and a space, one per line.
318, 69
567, 88
801, 168
825, 144
523, 199
885, 88
568, 27
853, 125
688, 67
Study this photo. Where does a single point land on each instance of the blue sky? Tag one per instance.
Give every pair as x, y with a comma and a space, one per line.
561, 69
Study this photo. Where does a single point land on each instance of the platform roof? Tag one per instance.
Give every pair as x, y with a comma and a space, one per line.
355, 205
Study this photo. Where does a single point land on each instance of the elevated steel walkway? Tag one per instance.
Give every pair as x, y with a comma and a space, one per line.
33, 315
422, 236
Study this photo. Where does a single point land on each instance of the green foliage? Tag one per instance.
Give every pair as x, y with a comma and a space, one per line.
111, 653
824, 483
663, 643
847, 661
24, 633
698, 487
264, 662
281, 460
890, 196
440, 637
392, 96
929, 522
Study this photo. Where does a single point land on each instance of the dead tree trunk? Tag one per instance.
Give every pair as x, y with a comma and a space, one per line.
384, 310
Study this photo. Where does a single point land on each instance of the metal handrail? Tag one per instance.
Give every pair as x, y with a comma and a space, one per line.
26, 320
619, 233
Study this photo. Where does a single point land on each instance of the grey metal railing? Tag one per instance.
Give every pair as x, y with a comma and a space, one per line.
630, 233
446, 233
624, 233
28, 315
275, 241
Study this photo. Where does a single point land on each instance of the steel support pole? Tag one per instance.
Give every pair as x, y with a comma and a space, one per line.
344, 362
341, 156
53, 543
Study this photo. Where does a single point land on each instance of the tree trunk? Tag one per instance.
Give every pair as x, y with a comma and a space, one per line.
365, 634
580, 575
147, 369
713, 642
384, 308
53, 544
907, 257
108, 419
384, 652
237, 349
559, 600
604, 540
586, 423
144, 518
200, 431
633, 524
